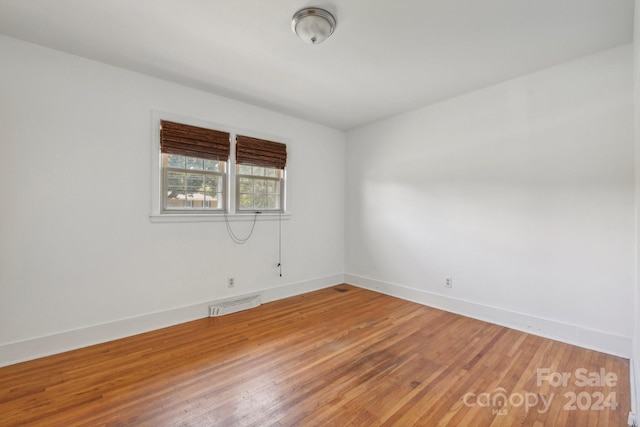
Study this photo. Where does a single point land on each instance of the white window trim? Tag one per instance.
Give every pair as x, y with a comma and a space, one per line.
264, 216
157, 214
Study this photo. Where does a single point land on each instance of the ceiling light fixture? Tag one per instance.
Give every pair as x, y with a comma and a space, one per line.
313, 25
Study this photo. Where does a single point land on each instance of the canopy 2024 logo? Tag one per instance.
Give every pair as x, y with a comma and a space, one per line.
500, 402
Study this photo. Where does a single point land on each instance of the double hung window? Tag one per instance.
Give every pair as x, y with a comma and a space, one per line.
194, 166
260, 168
198, 172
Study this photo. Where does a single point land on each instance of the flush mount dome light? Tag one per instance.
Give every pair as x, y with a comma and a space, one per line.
313, 25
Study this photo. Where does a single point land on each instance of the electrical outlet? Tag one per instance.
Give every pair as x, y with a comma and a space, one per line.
231, 282
448, 282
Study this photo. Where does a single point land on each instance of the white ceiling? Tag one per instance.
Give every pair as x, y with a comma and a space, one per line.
385, 57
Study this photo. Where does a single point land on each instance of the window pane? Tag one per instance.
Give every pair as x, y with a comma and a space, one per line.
260, 201
259, 186
176, 203
244, 170
212, 165
194, 163
211, 185
195, 183
270, 172
273, 202
176, 182
246, 201
273, 187
258, 171
175, 161
213, 203
246, 185
212, 193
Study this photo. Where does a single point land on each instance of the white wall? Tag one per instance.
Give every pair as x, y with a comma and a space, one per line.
77, 247
523, 193
635, 360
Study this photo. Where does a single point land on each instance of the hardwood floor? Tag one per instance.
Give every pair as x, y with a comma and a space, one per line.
341, 356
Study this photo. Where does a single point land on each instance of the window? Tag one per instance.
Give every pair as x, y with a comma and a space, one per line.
199, 174
260, 167
193, 183
259, 188
194, 166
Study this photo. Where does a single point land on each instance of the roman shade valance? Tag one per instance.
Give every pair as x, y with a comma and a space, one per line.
260, 152
193, 141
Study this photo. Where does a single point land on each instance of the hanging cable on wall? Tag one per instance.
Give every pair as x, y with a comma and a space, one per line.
280, 243
239, 240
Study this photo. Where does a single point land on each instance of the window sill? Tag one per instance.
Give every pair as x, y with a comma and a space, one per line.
218, 217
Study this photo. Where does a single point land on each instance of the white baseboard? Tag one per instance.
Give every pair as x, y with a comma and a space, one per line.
583, 337
632, 382
70, 340
286, 291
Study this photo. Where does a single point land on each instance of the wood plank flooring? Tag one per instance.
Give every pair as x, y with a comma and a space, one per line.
341, 356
